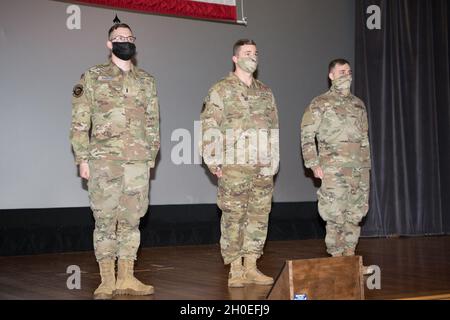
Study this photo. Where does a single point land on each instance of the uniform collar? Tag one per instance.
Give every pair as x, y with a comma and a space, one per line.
255, 83
334, 92
116, 71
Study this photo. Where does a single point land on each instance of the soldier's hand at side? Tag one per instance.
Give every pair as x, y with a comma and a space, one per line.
318, 173
219, 173
84, 170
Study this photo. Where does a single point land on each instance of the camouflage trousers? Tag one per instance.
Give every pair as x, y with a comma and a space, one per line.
118, 193
245, 198
343, 203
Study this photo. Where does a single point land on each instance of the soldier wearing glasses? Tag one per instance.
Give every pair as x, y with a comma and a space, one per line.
115, 138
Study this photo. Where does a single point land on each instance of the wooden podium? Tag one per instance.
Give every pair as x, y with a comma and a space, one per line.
339, 278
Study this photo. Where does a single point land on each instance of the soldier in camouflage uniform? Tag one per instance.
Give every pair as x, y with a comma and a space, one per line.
243, 112
338, 120
118, 104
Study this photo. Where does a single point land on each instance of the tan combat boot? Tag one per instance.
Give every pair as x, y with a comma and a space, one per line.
252, 274
107, 272
235, 277
127, 284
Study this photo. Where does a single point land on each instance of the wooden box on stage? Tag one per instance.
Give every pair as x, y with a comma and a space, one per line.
339, 278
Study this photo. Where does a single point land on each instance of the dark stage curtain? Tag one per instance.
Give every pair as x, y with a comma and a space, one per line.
402, 73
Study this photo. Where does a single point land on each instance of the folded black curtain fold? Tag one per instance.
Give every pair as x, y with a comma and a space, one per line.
402, 72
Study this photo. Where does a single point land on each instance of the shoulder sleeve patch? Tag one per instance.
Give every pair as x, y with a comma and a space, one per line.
78, 90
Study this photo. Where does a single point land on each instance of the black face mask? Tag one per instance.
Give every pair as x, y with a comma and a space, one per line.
124, 50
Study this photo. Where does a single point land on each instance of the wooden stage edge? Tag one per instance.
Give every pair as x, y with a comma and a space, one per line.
416, 268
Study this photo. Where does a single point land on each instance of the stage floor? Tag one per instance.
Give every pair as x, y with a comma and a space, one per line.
410, 268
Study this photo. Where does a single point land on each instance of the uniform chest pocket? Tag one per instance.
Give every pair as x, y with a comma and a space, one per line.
109, 120
334, 116
259, 103
333, 124
354, 126
142, 98
106, 93
260, 109
235, 109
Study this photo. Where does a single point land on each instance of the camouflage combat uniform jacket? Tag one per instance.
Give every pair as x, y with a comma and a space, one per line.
115, 115
339, 123
232, 105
